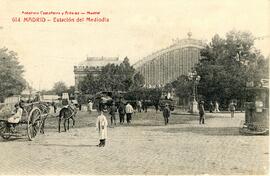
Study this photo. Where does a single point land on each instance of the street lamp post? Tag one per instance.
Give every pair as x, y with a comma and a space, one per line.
195, 78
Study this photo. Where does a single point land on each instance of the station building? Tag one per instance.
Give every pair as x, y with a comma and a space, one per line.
166, 65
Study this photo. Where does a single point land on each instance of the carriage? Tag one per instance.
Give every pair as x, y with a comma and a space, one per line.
33, 117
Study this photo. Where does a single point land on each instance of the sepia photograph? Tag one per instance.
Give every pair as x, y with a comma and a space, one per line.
134, 87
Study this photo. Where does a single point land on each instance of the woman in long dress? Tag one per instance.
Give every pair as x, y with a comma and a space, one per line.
101, 126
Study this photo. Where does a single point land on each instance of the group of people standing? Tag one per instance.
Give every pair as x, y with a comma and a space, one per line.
102, 123
141, 106
127, 110
213, 107
123, 110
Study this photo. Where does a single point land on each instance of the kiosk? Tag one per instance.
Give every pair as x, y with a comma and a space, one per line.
256, 111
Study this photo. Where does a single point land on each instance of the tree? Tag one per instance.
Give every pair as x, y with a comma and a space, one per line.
182, 87
89, 85
112, 77
71, 91
138, 81
59, 88
11, 74
227, 64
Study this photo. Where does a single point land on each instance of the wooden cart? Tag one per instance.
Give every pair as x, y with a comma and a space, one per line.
33, 118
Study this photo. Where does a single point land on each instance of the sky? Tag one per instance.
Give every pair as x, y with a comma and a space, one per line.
136, 28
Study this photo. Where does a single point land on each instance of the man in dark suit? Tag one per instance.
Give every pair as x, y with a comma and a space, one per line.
166, 114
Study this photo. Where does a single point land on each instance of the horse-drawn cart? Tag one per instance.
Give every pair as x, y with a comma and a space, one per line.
33, 117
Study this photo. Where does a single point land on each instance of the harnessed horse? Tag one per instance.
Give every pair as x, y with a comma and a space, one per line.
66, 113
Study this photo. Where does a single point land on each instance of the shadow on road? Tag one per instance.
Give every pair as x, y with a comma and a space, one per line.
66, 145
15, 139
212, 131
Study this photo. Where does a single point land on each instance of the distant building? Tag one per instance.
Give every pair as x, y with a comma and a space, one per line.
49, 98
92, 65
166, 65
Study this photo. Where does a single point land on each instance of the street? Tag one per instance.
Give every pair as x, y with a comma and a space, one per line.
147, 146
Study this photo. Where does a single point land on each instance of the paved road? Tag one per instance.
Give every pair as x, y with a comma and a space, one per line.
145, 147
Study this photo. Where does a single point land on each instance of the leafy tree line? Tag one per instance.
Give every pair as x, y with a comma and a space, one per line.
59, 88
112, 78
11, 74
226, 65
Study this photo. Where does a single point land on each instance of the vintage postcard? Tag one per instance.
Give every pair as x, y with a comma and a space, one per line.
134, 87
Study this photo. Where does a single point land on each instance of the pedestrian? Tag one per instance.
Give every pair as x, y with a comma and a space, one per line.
121, 111
232, 109
101, 127
139, 106
156, 107
90, 106
166, 113
201, 112
216, 107
112, 112
54, 107
79, 106
144, 106
129, 111
211, 107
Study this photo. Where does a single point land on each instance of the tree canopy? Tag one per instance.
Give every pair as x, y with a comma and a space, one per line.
112, 77
11, 74
227, 64
182, 86
59, 88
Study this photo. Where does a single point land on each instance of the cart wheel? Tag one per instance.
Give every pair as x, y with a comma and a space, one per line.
34, 123
4, 130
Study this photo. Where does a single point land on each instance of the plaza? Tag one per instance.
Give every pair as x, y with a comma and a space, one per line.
146, 146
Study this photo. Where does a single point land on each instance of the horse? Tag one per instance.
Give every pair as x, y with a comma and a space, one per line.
66, 113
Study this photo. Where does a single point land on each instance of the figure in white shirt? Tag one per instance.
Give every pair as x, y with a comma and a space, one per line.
16, 117
101, 126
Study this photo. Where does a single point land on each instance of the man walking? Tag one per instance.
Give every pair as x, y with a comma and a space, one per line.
121, 111
216, 107
54, 107
129, 111
144, 104
112, 112
211, 107
232, 109
90, 106
166, 114
201, 112
139, 105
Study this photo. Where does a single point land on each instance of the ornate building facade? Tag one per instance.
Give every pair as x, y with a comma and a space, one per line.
168, 64
92, 65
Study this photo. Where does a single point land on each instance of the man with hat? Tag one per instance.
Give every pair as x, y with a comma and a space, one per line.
121, 111
166, 113
201, 112
112, 112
